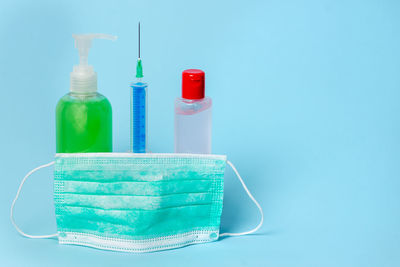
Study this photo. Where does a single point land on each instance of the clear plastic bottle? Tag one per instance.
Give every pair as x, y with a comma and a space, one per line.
193, 115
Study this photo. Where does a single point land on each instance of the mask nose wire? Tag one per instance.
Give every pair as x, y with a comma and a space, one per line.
16, 198
254, 201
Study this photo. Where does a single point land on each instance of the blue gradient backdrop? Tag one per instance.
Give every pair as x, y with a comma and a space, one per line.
306, 104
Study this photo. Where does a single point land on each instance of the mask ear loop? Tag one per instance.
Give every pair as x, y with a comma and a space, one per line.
253, 199
16, 198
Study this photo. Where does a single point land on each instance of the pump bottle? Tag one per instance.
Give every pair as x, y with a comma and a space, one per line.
193, 115
83, 116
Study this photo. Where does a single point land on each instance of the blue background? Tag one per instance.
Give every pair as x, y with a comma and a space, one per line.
306, 105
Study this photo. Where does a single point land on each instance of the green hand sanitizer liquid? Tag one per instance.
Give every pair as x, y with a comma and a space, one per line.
83, 116
84, 123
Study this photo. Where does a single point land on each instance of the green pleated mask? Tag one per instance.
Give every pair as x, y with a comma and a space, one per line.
137, 202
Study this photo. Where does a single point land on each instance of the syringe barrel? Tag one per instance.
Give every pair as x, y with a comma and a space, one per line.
139, 117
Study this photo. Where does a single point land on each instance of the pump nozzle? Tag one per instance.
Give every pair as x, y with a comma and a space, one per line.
83, 77
83, 42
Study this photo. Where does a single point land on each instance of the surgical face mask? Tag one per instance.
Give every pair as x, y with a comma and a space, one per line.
137, 202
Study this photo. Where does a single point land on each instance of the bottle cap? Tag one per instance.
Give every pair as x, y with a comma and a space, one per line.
193, 84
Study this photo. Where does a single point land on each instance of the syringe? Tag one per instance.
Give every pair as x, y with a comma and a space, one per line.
139, 109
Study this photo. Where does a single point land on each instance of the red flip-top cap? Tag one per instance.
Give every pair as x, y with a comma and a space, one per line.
193, 84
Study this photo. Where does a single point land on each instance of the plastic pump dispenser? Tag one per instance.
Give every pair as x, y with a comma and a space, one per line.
83, 76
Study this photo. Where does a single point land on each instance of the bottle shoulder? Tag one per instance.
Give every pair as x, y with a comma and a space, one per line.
73, 99
192, 106
206, 99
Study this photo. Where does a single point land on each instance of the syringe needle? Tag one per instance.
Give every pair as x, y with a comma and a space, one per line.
139, 70
139, 37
